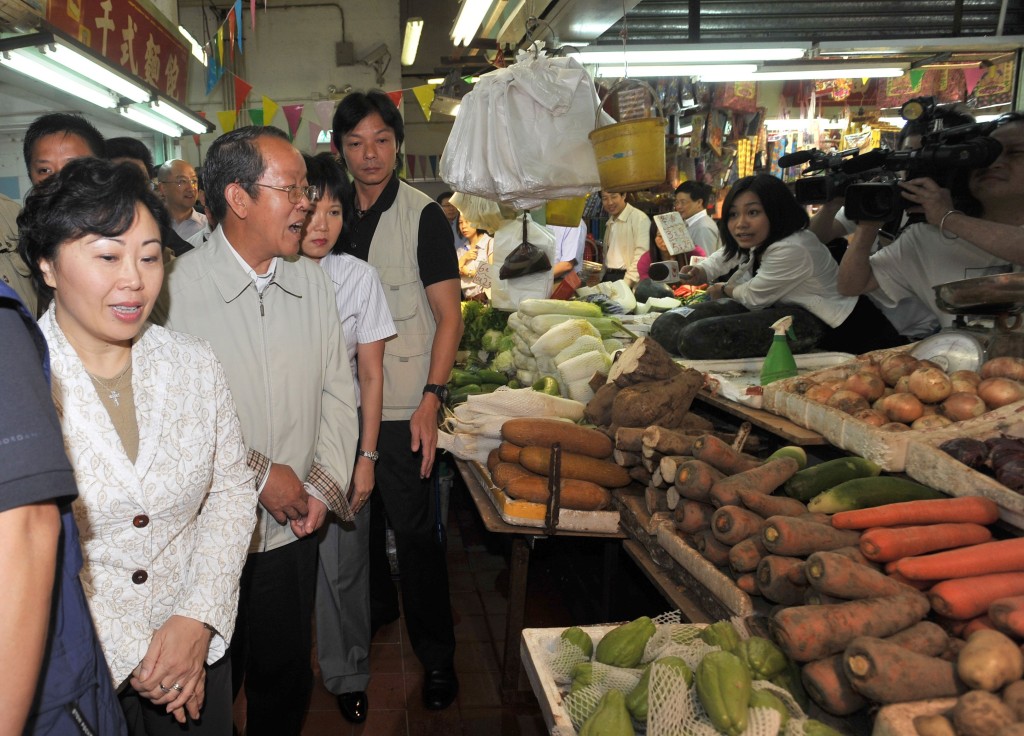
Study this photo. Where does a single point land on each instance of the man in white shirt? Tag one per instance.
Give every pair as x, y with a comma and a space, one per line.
627, 236
569, 244
692, 201
179, 187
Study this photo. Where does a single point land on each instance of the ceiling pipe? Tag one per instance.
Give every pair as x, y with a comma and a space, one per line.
1002, 18
693, 16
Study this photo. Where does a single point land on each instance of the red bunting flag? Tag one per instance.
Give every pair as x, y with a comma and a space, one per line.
972, 77
242, 89
293, 114
396, 97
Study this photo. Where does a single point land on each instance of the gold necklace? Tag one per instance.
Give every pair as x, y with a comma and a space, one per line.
114, 387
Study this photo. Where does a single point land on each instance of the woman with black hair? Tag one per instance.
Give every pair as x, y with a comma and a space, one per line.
658, 252
166, 503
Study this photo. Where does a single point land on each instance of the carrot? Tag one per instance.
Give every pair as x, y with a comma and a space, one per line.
732, 524
843, 578
695, 478
722, 456
767, 505
744, 556
978, 623
795, 537
813, 632
817, 517
828, 686
813, 598
747, 582
710, 548
853, 552
885, 544
964, 598
508, 452
921, 585
1005, 555
781, 579
888, 673
761, 479
1007, 614
692, 516
575, 494
966, 509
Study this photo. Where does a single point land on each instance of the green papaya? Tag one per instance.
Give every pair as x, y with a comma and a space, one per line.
762, 657
579, 637
766, 699
611, 717
790, 680
636, 701
583, 675
721, 634
724, 689
624, 645
817, 728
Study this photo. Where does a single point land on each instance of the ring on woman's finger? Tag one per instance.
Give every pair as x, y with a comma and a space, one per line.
177, 687
165, 689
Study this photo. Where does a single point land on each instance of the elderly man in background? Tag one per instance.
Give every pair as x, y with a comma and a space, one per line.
179, 187
692, 199
626, 238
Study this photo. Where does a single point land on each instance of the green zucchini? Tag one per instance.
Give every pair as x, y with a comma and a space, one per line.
486, 375
797, 453
490, 387
460, 377
808, 483
862, 493
466, 390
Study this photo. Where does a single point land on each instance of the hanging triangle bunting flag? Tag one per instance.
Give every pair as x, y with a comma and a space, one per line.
325, 113
916, 75
424, 95
256, 116
269, 110
238, 23
211, 71
252, 15
242, 89
314, 135
229, 23
227, 119
410, 162
220, 45
972, 77
433, 166
293, 114
396, 97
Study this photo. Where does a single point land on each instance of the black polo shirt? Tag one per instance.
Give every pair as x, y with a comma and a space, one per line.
434, 253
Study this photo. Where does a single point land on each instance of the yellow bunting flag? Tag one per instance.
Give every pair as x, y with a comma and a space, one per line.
227, 119
424, 95
269, 110
220, 46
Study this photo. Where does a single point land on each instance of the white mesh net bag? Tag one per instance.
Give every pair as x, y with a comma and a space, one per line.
564, 659
582, 702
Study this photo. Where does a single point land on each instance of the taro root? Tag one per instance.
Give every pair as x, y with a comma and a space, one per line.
1011, 474
972, 453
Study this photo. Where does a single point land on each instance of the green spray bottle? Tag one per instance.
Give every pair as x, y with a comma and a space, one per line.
779, 363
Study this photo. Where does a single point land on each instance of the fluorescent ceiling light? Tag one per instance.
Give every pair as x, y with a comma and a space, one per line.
31, 65
411, 42
81, 64
146, 117
707, 54
435, 80
732, 71
777, 74
197, 50
178, 117
470, 16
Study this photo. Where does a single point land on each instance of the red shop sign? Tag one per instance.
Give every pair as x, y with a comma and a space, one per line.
129, 35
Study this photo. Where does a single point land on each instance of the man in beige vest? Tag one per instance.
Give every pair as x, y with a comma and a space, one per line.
406, 237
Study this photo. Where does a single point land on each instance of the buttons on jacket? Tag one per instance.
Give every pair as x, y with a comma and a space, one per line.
140, 521
139, 577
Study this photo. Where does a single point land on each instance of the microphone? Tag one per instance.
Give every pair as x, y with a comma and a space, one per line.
795, 159
871, 160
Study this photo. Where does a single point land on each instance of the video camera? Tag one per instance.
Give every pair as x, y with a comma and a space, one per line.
824, 178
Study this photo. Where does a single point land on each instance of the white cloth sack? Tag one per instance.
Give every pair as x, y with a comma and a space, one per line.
507, 293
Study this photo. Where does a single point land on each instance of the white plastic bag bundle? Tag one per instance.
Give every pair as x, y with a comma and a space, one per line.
521, 135
507, 293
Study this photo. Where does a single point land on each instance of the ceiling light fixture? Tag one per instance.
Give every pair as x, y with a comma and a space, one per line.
411, 42
79, 63
706, 54
179, 117
739, 71
31, 65
197, 50
148, 118
470, 16
780, 74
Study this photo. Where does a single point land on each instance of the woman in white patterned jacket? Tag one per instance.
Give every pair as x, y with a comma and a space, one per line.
166, 503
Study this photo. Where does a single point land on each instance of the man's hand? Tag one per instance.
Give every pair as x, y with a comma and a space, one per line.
930, 198
172, 672
312, 521
363, 481
283, 495
423, 427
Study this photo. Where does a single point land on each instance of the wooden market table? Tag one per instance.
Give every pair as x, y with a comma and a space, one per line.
778, 426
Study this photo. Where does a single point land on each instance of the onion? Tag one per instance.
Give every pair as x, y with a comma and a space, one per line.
902, 385
801, 384
868, 385
896, 365
963, 405
930, 384
848, 401
872, 416
965, 381
820, 393
894, 427
996, 392
932, 421
903, 407
835, 384
1004, 367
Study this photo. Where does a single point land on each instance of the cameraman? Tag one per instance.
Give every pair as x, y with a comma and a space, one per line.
952, 245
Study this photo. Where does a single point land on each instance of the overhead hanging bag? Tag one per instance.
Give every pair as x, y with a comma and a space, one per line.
525, 259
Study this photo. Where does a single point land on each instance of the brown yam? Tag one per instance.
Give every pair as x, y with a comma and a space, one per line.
663, 403
732, 524
504, 472
580, 467
574, 494
626, 459
692, 516
781, 579
744, 556
710, 548
806, 633
722, 456
629, 439
539, 432
798, 537
640, 474
644, 360
669, 466
840, 576
697, 423
889, 673
670, 441
827, 685
508, 452
695, 479
658, 480
655, 500
767, 505
597, 381
598, 410
747, 582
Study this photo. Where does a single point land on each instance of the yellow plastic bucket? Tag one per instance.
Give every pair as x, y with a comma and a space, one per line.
631, 154
565, 212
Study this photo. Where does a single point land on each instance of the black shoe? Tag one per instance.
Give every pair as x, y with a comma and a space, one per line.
439, 688
353, 706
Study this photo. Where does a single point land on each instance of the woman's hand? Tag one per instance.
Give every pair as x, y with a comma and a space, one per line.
692, 275
930, 198
363, 481
172, 672
716, 291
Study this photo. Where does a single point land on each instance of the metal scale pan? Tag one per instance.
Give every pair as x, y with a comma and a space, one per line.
1000, 296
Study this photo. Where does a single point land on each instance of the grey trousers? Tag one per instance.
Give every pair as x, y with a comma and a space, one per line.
343, 604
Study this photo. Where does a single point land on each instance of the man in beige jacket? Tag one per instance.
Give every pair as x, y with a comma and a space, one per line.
273, 323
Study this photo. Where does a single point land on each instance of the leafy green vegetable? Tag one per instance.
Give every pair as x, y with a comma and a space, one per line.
491, 341
478, 319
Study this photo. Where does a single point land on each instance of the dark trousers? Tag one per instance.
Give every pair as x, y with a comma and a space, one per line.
614, 274
408, 502
273, 638
146, 719
865, 329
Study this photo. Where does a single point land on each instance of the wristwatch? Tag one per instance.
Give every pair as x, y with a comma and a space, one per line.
441, 392
373, 455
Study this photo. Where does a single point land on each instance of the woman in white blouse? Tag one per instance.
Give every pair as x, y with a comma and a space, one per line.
479, 250
166, 503
342, 591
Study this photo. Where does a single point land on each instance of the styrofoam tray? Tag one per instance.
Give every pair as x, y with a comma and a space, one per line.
735, 377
